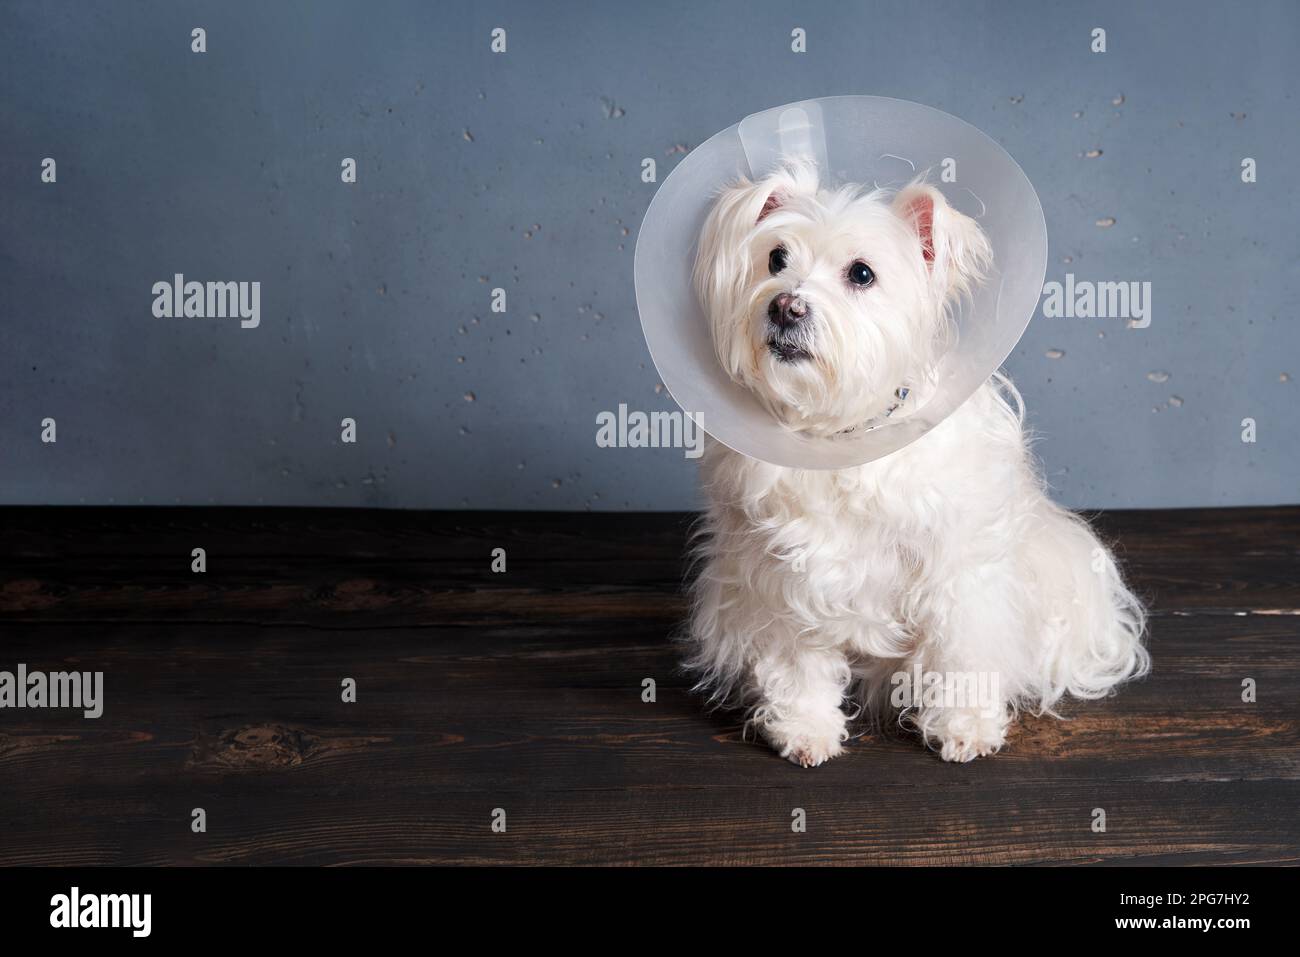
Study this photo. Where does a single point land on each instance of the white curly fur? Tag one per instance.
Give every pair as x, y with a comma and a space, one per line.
815, 588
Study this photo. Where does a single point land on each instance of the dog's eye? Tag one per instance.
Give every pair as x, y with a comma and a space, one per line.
776, 260
860, 274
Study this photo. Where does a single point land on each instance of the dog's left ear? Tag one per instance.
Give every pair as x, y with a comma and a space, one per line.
955, 249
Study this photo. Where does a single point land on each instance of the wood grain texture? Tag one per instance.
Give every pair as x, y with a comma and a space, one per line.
523, 691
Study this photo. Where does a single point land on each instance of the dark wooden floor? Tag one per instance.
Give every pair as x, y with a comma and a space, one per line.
522, 691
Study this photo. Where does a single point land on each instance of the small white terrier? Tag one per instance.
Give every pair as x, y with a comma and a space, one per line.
820, 588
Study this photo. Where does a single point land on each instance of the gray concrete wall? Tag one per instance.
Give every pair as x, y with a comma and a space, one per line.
521, 171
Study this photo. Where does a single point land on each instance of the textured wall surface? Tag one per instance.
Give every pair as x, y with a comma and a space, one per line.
521, 171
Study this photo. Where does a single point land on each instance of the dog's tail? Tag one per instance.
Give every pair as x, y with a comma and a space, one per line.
1096, 624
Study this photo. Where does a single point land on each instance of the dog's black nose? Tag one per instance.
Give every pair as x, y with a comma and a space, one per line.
786, 310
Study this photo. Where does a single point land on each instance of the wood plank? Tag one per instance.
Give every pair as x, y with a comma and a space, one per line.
523, 691
352, 568
1149, 823
254, 732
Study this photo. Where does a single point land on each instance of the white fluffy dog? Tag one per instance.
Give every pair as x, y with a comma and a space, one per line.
946, 559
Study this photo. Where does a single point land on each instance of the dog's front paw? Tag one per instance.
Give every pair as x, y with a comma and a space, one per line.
965, 736
808, 752
809, 743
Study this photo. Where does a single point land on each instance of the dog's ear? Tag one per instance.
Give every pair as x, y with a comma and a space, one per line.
955, 249
772, 203
793, 178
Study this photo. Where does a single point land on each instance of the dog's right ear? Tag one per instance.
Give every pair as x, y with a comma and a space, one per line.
741, 207
772, 202
791, 179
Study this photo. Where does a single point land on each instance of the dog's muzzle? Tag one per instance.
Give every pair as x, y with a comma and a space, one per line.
787, 319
